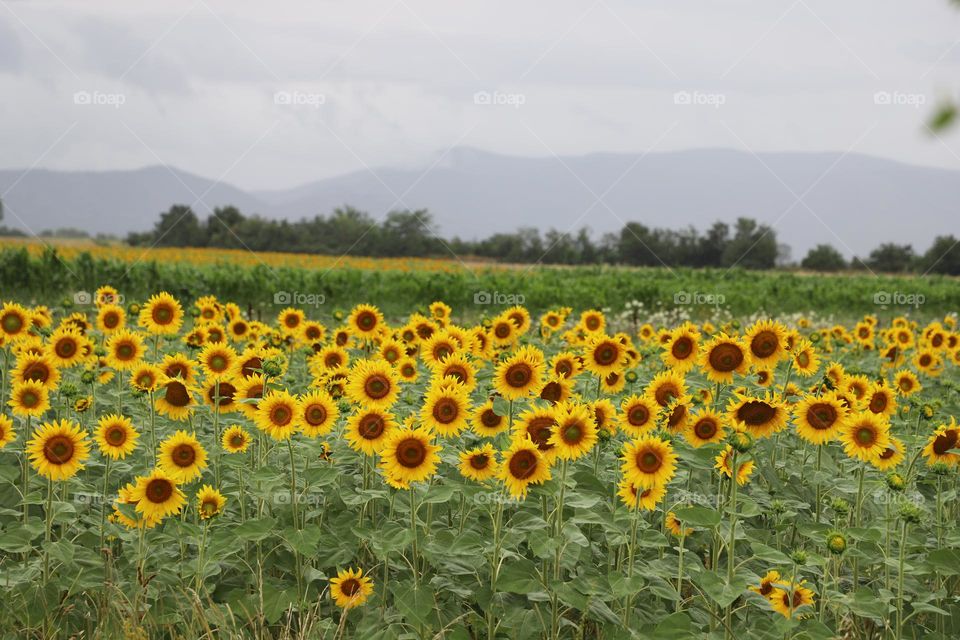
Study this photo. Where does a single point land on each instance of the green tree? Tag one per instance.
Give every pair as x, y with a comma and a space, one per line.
178, 227
753, 246
892, 258
824, 257
942, 257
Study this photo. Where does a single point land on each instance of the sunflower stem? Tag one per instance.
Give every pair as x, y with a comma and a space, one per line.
201, 559
679, 603
414, 561
48, 533
732, 536
816, 506
903, 549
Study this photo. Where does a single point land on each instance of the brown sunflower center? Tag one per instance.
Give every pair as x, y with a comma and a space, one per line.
665, 393
552, 392
592, 323
411, 453
237, 440
866, 435
29, 398
366, 320
281, 415
638, 415
539, 430
291, 321
58, 449
490, 419
519, 375
803, 359
36, 371
159, 490
177, 395
218, 362
446, 410
12, 323
573, 433
125, 351
371, 426
162, 314
184, 455
945, 442
502, 330
66, 347
480, 461
677, 415
648, 461
682, 348
821, 416
756, 413
315, 415
705, 428
878, 403
377, 387
350, 587
111, 319
764, 344
116, 435
726, 357
523, 464
563, 368
605, 354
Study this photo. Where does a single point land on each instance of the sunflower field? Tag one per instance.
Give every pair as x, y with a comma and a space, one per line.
175, 468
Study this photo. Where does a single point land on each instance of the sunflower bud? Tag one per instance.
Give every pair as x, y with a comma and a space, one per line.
895, 482
88, 377
69, 390
836, 543
910, 513
778, 506
194, 312
272, 368
631, 376
798, 557
940, 469
741, 441
927, 412
133, 309
603, 435
840, 506
338, 314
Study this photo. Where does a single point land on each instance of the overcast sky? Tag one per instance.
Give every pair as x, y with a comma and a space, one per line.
272, 94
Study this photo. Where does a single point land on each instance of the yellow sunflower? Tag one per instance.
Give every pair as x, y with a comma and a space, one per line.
819, 419
277, 415
648, 461
440, 311
317, 413
787, 604
503, 331
604, 355
146, 378
459, 366
865, 436
519, 374
210, 502
36, 367
942, 445
906, 383
485, 421
161, 315
675, 527
723, 356
373, 384
761, 416
125, 350
157, 496
7, 433
537, 425
767, 584
350, 588
574, 432
217, 359
14, 322
523, 465
182, 457
881, 399
680, 352
446, 408
566, 365
365, 321
367, 430
29, 399
290, 321
407, 369
891, 457
58, 449
479, 463
766, 340
177, 365
605, 415
409, 455
638, 415
648, 498
110, 318
235, 439
665, 387
723, 463
116, 436
706, 427
67, 347
174, 399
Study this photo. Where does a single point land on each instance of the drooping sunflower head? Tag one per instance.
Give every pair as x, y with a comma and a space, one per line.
235, 439
409, 455
210, 502
767, 583
7, 433
161, 315
942, 444
182, 457
174, 398
115, 436
479, 463
790, 604
350, 588
276, 414
58, 449
635, 497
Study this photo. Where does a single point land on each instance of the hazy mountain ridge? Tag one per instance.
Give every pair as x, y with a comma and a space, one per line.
858, 201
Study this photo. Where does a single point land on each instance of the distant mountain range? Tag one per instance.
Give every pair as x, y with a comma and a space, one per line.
855, 201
